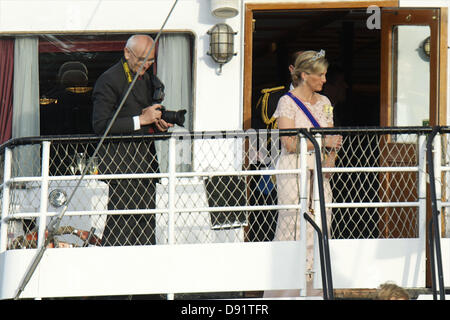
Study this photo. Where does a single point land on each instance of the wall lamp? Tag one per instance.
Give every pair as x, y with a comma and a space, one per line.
225, 8
426, 46
221, 44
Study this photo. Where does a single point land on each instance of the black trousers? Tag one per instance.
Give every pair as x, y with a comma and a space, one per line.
130, 229
262, 223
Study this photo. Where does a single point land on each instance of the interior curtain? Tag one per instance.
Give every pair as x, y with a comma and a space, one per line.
175, 71
6, 87
25, 121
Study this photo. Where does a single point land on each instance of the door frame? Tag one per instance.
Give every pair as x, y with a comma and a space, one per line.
306, 5
436, 19
438, 58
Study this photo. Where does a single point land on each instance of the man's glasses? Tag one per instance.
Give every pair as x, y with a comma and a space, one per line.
141, 59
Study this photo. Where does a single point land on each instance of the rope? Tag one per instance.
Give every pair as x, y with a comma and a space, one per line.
271, 123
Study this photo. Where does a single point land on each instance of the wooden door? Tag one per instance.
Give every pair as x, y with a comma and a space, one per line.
410, 79
413, 90
409, 97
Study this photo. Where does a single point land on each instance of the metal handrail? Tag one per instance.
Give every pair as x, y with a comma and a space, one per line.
432, 258
216, 134
434, 236
322, 257
323, 238
326, 265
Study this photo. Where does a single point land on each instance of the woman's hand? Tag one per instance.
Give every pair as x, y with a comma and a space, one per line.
329, 162
333, 142
332, 145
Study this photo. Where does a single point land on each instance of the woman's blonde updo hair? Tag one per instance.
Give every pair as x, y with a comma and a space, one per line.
391, 291
309, 62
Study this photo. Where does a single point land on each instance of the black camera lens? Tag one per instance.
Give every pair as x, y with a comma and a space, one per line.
174, 117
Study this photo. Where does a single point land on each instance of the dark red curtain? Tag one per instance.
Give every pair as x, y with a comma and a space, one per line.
6, 88
81, 45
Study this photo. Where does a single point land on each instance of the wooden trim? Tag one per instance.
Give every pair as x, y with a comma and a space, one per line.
443, 63
434, 70
248, 35
386, 69
391, 18
321, 5
248, 68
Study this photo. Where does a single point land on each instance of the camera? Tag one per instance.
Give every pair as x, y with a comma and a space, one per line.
175, 117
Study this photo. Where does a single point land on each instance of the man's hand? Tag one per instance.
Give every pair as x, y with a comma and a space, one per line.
151, 114
162, 125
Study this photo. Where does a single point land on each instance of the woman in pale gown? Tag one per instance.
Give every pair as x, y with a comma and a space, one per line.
308, 77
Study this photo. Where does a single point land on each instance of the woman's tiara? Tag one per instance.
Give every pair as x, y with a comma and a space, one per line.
318, 55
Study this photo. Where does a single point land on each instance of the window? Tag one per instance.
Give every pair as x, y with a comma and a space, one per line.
41, 67
52, 77
68, 69
69, 65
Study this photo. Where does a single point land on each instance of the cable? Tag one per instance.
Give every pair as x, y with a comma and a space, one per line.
54, 224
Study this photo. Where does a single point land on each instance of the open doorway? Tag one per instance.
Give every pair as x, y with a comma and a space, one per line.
349, 45
353, 52
367, 56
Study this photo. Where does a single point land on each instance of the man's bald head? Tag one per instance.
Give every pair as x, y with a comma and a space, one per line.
135, 51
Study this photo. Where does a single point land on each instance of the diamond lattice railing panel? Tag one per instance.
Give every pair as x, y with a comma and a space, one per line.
229, 194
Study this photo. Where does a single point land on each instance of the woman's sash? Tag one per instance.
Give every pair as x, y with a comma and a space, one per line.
305, 110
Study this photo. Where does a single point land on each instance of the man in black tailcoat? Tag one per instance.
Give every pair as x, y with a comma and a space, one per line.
262, 224
140, 114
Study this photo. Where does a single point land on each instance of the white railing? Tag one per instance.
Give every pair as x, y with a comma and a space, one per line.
191, 256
